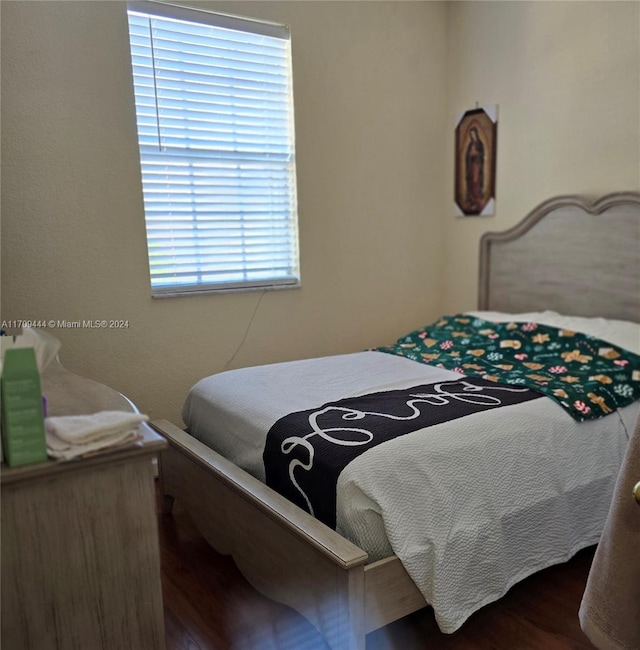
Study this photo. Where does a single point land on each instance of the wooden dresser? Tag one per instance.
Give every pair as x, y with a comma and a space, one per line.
80, 556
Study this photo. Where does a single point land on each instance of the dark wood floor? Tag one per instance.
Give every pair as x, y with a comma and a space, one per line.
209, 606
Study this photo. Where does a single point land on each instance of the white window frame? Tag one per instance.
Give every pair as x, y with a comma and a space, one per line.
284, 264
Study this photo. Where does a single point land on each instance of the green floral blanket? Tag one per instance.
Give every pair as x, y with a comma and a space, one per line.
588, 377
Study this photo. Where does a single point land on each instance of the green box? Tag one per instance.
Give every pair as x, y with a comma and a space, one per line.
23, 431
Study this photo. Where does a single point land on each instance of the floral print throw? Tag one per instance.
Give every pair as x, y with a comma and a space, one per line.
588, 377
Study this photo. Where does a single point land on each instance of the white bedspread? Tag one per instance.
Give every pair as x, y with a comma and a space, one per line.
470, 506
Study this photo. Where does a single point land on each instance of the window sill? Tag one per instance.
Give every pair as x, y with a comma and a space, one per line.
182, 293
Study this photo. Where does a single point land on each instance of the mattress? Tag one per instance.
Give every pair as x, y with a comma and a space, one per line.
470, 506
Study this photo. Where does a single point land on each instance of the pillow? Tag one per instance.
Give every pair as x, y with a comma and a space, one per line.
624, 334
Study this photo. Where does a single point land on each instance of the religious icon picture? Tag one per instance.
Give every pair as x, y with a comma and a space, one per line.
475, 160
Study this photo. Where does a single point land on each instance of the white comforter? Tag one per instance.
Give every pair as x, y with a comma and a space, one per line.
470, 506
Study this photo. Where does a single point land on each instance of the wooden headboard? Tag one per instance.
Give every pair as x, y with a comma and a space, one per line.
573, 255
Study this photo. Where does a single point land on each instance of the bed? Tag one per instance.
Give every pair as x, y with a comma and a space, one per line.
570, 255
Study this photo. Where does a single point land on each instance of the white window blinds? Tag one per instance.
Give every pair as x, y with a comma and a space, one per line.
214, 107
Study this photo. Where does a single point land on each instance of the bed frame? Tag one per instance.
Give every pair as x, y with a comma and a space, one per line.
572, 255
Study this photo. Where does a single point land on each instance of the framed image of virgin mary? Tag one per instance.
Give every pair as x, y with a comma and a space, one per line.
475, 160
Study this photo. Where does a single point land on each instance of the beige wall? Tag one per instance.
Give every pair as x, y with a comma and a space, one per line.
369, 96
566, 77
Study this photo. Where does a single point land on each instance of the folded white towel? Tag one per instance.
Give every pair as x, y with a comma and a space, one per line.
84, 429
61, 450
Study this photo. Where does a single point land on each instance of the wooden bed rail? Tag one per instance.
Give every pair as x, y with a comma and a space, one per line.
281, 550
327, 541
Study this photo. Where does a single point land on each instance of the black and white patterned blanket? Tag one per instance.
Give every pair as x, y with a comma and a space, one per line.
306, 451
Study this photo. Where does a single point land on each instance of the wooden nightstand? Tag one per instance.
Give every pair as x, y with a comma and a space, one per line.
80, 557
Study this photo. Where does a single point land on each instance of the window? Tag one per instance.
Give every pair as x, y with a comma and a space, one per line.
214, 106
